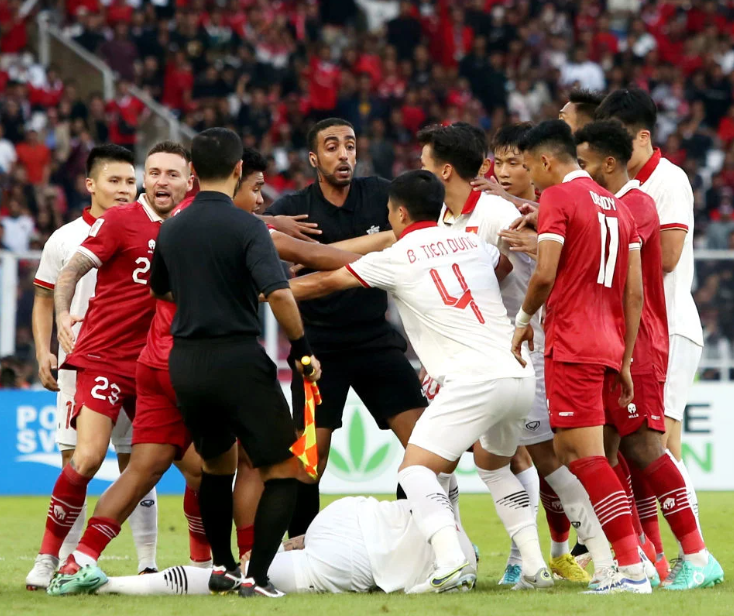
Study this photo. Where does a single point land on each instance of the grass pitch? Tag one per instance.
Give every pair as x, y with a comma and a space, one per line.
23, 519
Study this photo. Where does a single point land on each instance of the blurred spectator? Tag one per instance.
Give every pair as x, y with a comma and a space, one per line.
7, 152
35, 158
18, 227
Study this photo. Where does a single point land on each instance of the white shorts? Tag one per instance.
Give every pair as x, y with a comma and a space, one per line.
683, 359
335, 558
122, 433
464, 410
536, 428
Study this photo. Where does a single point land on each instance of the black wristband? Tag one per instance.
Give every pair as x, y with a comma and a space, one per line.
300, 348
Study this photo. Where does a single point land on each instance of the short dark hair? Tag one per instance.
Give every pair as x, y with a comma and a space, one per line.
608, 138
456, 145
509, 137
215, 152
170, 147
586, 101
252, 162
476, 132
552, 135
420, 192
108, 153
313, 134
633, 107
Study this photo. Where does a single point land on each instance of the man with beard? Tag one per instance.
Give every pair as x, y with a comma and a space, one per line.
348, 331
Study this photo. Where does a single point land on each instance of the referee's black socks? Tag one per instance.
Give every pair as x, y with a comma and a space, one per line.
273, 515
306, 510
216, 505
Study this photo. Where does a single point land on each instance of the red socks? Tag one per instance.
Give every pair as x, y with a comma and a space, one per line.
67, 500
245, 539
610, 504
198, 543
625, 478
665, 479
558, 523
647, 508
100, 531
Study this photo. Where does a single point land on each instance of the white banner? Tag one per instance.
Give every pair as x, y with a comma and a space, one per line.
365, 460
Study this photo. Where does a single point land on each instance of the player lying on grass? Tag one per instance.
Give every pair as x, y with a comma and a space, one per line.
446, 286
356, 544
604, 150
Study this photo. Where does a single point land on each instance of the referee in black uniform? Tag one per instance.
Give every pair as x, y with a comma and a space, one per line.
348, 330
212, 260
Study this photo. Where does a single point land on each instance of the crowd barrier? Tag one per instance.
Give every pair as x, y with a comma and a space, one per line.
363, 460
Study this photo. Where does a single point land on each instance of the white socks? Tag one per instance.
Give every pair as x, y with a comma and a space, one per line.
75, 535
173, 581
581, 514
531, 482
82, 559
433, 514
513, 508
144, 526
559, 548
450, 485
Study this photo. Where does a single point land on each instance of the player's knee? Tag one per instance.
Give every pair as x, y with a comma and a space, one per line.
642, 448
87, 460
521, 461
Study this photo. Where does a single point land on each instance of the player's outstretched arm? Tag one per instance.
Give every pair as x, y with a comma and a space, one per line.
42, 322
323, 283
64, 291
293, 226
671, 242
633, 301
309, 254
493, 187
366, 244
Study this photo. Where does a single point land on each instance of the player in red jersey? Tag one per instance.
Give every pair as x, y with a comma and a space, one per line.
159, 434
120, 245
589, 278
604, 149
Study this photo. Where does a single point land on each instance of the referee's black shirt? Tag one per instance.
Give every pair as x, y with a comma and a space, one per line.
215, 259
356, 317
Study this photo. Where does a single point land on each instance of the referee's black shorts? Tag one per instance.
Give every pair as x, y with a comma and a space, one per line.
383, 379
228, 389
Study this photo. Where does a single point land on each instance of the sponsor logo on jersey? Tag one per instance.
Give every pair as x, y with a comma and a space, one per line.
632, 410
148, 503
566, 414
151, 246
532, 425
373, 229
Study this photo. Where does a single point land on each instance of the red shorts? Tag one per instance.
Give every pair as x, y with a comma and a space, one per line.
103, 392
648, 405
574, 393
157, 419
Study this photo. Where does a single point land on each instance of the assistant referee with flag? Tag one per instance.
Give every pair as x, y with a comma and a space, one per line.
213, 260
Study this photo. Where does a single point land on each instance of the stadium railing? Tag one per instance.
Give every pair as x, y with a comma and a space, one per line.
75, 61
16, 289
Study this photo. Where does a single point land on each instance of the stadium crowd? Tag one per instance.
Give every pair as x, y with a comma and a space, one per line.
269, 69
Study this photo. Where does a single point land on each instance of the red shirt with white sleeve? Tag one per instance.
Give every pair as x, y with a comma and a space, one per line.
584, 318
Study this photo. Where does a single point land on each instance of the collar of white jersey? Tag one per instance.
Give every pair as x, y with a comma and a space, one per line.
417, 226
152, 214
631, 185
575, 175
469, 207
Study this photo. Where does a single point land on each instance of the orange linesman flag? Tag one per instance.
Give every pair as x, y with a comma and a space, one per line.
305, 447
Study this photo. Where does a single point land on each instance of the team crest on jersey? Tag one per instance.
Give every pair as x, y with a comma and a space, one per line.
96, 227
151, 246
472, 230
373, 229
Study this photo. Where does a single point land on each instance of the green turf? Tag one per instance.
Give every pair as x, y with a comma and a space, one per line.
23, 518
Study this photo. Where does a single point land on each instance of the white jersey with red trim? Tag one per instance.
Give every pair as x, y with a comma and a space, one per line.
448, 296
487, 215
57, 252
668, 185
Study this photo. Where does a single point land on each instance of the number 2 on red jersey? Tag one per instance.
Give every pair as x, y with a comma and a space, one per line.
465, 300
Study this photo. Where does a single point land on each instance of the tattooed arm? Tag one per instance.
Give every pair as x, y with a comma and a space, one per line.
79, 265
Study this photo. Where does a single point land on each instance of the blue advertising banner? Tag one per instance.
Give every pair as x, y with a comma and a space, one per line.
29, 458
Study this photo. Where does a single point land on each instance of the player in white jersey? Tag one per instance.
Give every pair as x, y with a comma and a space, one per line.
106, 190
453, 156
355, 544
668, 185
446, 288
